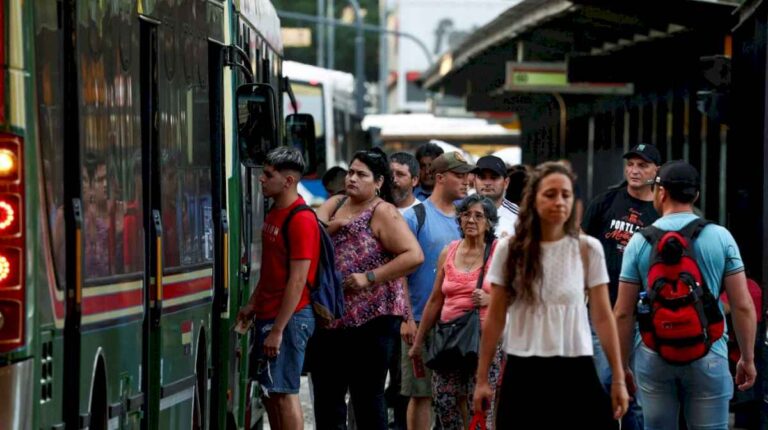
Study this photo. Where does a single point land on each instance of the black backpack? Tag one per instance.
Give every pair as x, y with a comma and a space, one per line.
421, 216
328, 293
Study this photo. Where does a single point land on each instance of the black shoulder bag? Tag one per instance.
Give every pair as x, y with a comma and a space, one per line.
455, 344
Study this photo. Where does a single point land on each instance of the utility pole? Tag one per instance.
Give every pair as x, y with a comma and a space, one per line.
383, 55
320, 34
359, 59
331, 35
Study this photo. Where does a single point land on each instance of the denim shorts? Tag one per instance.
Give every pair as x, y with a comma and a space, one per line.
282, 374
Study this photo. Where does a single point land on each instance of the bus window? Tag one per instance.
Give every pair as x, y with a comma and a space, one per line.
185, 173
109, 164
50, 130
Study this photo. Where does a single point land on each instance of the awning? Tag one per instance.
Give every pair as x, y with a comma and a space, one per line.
561, 31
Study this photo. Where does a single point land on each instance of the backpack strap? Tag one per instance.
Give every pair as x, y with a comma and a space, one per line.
284, 231
652, 235
421, 217
693, 229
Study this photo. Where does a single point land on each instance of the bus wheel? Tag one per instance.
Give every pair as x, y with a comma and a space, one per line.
99, 418
201, 371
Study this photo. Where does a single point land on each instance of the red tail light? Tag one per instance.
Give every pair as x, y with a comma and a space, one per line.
12, 244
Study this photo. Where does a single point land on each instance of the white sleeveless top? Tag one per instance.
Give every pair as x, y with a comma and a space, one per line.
557, 323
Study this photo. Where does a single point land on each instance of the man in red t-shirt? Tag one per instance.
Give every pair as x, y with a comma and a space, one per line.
280, 308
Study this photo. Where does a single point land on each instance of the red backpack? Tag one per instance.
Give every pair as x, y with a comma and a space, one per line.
678, 315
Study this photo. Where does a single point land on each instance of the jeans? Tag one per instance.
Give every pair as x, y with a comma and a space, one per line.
282, 374
703, 387
355, 359
633, 419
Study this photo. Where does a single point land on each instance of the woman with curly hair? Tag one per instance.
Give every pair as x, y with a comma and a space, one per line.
455, 292
541, 278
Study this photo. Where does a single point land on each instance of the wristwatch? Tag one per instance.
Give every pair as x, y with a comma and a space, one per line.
370, 276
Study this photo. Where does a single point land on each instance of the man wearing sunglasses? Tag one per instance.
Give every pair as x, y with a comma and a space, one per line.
613, 217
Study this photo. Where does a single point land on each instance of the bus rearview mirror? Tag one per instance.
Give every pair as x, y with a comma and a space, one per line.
257, 130
300, 134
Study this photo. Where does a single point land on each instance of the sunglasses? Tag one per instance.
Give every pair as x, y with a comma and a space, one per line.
653, 182
371, 154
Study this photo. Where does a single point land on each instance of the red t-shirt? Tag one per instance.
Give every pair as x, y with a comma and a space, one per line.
304, 236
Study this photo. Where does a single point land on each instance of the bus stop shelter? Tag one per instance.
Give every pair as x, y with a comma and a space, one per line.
591, 78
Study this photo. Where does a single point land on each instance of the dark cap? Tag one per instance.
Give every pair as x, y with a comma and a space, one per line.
646, 151
678, 175
492, 163
451, 161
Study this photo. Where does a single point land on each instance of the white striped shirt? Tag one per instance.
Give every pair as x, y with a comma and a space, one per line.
507, 212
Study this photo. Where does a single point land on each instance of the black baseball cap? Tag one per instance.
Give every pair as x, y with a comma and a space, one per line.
679, 175
492, 163
646, 151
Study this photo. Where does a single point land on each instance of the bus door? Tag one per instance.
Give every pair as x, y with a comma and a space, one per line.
179, 217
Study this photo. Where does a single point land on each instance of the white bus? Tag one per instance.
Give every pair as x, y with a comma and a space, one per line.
474, 136
328, 95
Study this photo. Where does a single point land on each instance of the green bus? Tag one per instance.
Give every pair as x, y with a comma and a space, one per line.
127, 216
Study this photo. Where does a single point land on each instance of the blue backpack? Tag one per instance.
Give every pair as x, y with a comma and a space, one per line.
327, 294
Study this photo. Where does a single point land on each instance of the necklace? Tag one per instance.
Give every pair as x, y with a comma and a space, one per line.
468, 267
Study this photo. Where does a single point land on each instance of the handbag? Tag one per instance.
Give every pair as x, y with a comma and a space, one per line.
455, 344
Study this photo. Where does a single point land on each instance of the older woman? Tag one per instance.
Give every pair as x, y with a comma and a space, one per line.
374, 250
455, 292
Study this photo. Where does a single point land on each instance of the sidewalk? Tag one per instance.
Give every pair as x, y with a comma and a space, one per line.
306, 406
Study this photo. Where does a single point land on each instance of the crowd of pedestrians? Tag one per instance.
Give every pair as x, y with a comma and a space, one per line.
591, 315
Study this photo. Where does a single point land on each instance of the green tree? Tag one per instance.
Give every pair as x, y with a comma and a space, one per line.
344, 43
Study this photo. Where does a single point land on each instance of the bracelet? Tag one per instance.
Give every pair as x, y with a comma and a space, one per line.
619, 383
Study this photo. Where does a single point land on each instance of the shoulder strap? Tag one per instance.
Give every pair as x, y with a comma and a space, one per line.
339, 204
652, 234
421, 216
486, 254
284, 231
693, 229
584, 253
373, 211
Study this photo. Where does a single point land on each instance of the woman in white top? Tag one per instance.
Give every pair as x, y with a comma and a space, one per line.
539, 281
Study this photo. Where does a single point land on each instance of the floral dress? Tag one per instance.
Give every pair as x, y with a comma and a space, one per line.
357, 250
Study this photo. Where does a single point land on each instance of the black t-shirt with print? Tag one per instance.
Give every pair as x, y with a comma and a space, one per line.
613, 217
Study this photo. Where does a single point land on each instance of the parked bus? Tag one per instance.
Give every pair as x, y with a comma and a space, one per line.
128, 223
328, 95
475, 136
